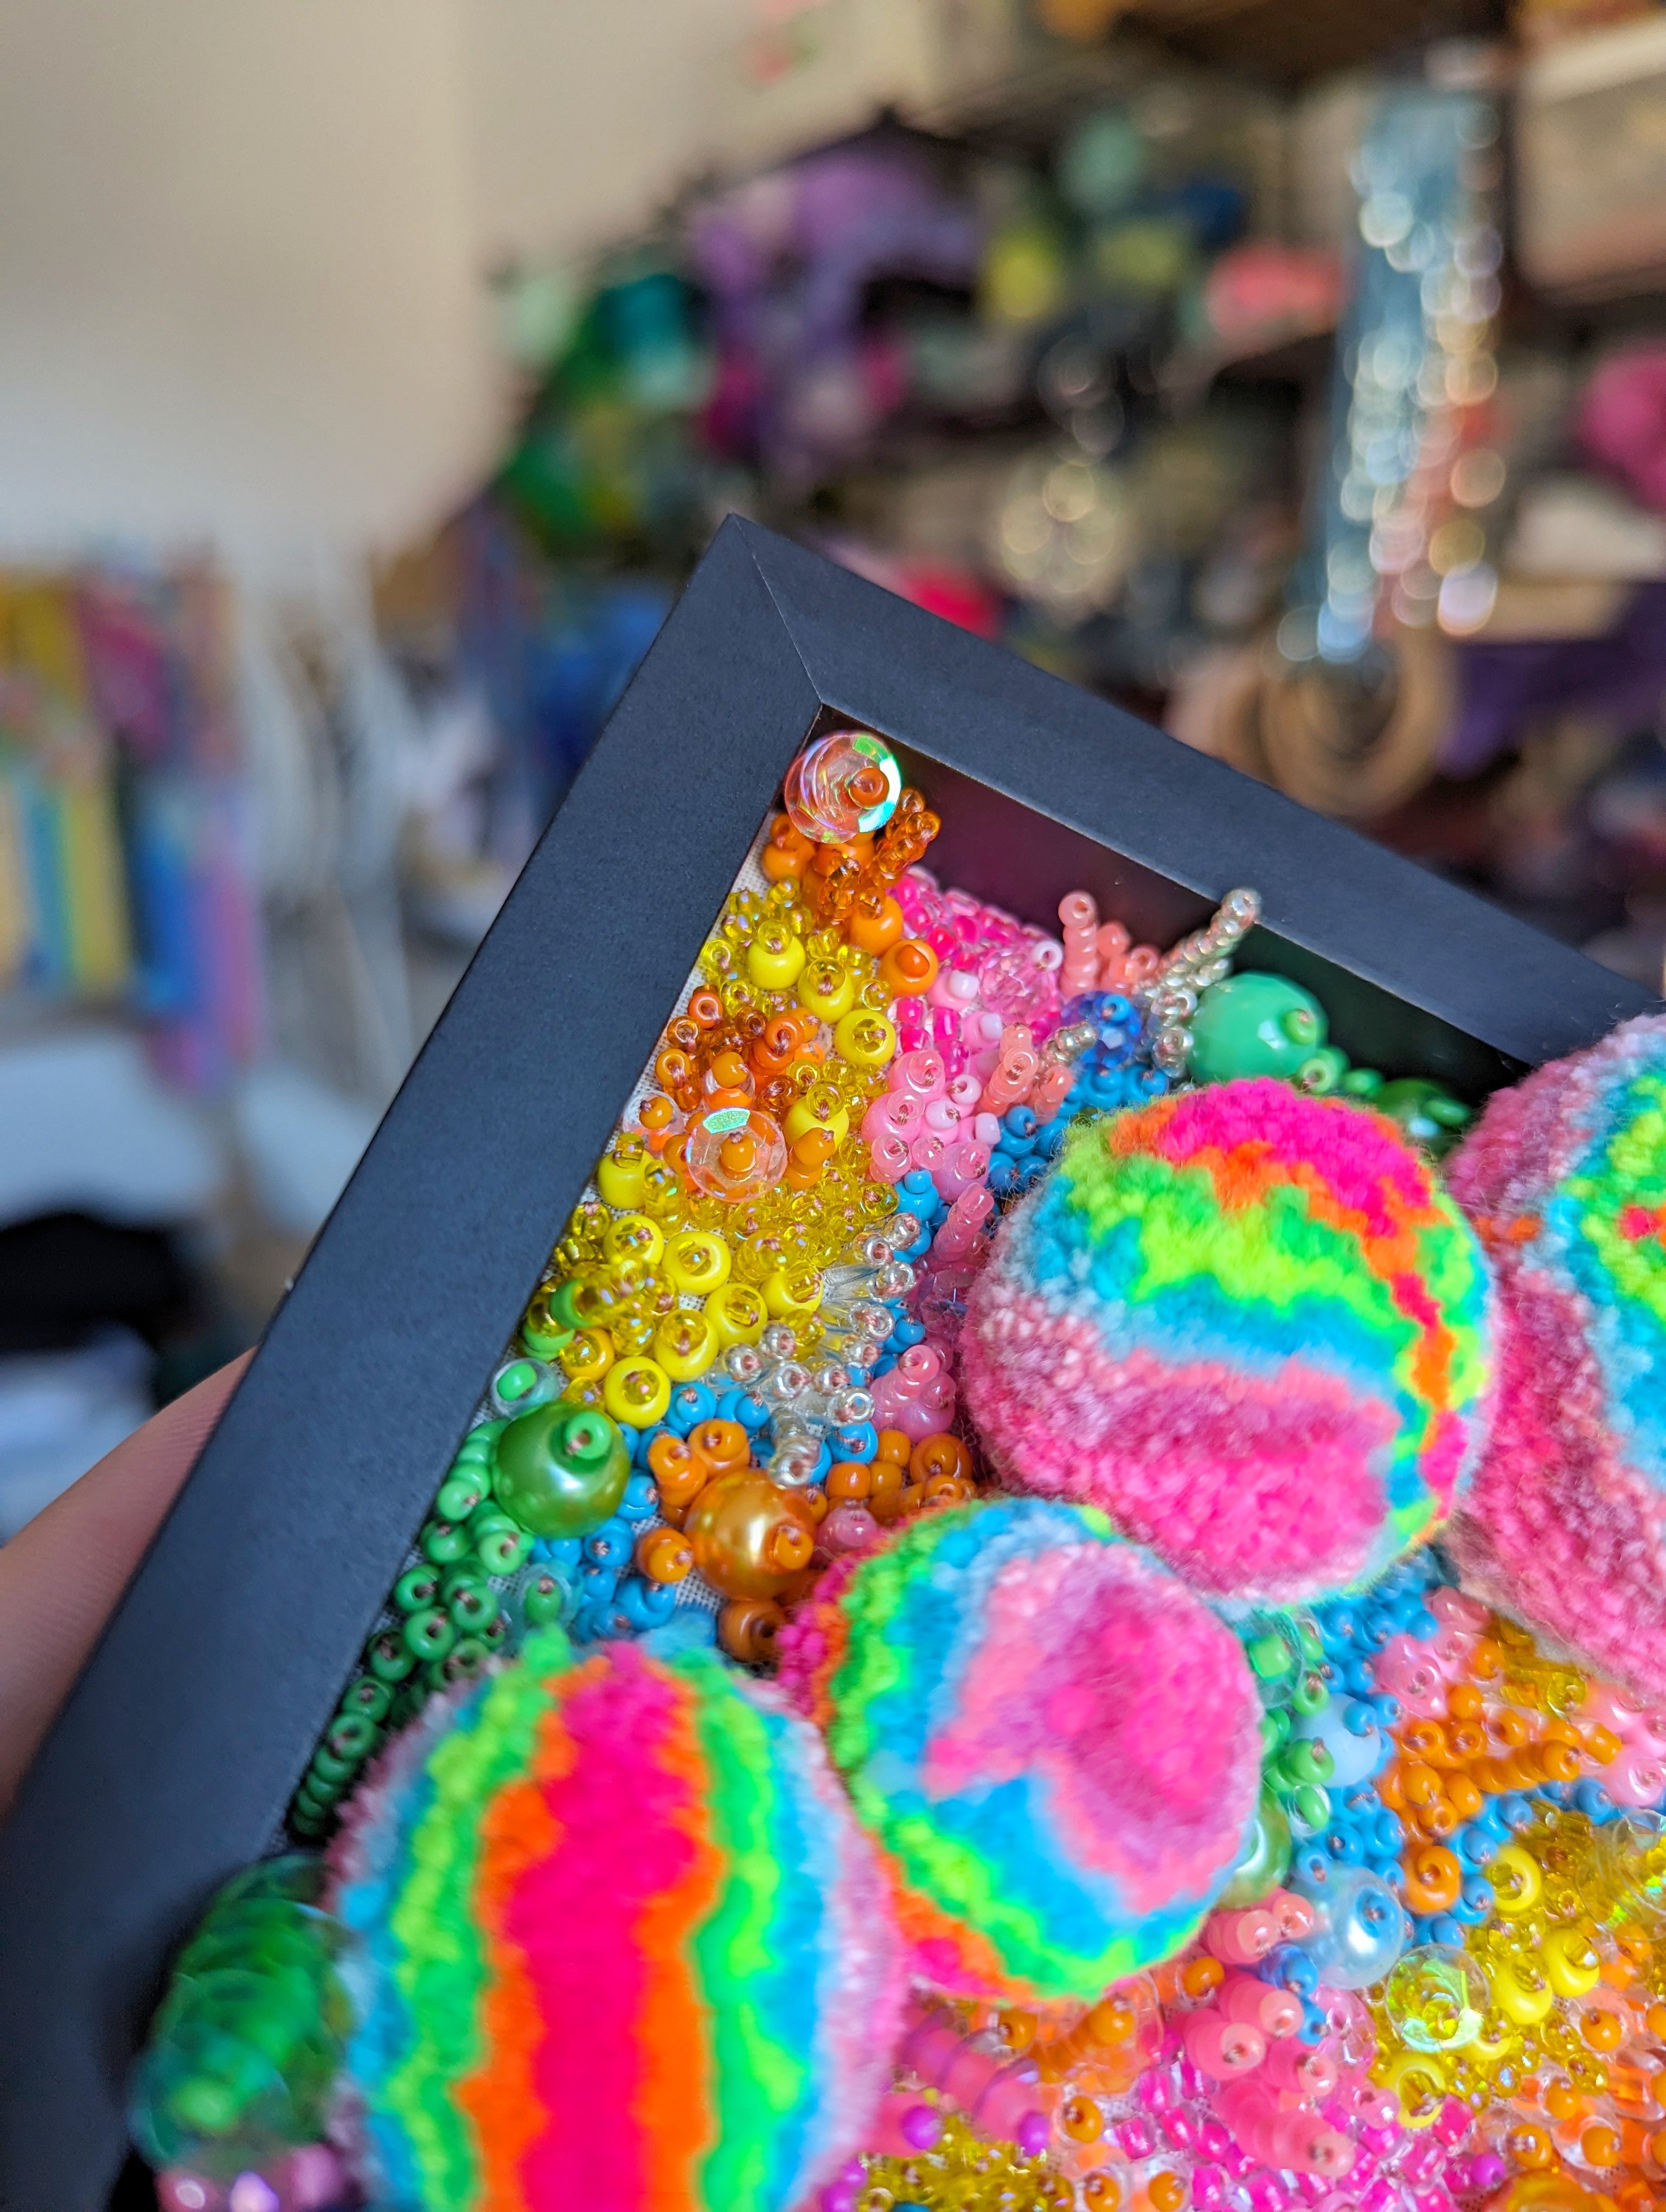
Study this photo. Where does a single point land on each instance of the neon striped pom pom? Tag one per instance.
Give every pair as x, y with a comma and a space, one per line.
1056, 1745
1247, 1324
1565, 1526
625, 1946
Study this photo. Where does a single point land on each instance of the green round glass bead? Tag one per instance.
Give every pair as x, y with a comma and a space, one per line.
1257, 1024
466, 1659
560, 1470
471, 1607
331, 1766
1312, 1804
387, 1657
459, 1493
442, 1541
367, 1696
501, 1551
354, 1736
429, 1635
543, 1601
416, 1590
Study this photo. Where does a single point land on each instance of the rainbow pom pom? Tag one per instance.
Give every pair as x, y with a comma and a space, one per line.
1056, 1746
1565, 1525
1250, 1325
627, 1947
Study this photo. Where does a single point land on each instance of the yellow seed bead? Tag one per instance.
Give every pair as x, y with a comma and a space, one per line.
588, 1358
775, 956
696, 1262
865, 1039
790, 1293
636, 1392
1516, 1882
634, 1236
828, 989
685, 1345
619, 1173
820, 1108
738, 1313
1571, 1967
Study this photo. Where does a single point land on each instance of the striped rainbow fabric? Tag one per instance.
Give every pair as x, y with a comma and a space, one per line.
625, 1946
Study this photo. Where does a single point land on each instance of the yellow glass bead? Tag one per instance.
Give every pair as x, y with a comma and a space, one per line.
738, 1313
634, 1236
820, 1108
1516, 1882
664, 1196
828, 989
696, 1262
1522, 1992
630, 1332
636, 1392
775, 956
1572, 1966
865, 1039
588, 1358
685, 1345
789, 1293
619, 1173
1419, 2083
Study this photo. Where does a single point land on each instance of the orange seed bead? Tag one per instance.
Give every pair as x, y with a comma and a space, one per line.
1600, 2145
1166, 2191
1081, 2120
849, 1478
663, 1555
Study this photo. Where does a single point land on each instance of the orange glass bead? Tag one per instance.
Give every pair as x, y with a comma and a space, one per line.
747, 1628
1390, 1785
664, 1556
1112, 2022
908, 969
1655, 2021
1562, 2100
1080, 2119
1166, 2191
1464, 1701
944, 1455
786, 851
1434, 1878
750, 1536
1602, 1745
945, 1490
1439, 1819
849, 1478
721, 1444
1200, 1974
1462, 1795
1530, 2147
1509, 1728
1102, 2191
1600, 2145
1658, 2147
1016, 2030
875, 924
884, 1499
1560, 1762
1420, 1783
1466, 1740
1486, 1659
895, 1444
1601, 2029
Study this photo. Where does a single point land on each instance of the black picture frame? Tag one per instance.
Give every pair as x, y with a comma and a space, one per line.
175, 1755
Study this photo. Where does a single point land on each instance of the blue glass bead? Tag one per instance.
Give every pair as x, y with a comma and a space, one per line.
740, 1406
1591, 1799
1444, 1928
690, 1405
859, 1442
1359, 1717
1474, 1845
1002, 1177
1345, 1844
611, 1545
1311, 1863
1388, 1709
1314, 2026
646, 1604
596, 1585
1388, 1831
1514, 1810
907, 1334
1288, 1968
1019, 1123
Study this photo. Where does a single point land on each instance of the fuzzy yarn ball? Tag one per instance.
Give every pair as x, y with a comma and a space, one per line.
626, 1947
1565, 1525
1056, 1745
1249, 1324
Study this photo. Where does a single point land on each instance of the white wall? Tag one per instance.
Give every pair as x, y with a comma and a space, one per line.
239, 296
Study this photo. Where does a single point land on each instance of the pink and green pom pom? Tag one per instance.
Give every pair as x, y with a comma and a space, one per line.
1056, 1745
1251, 1327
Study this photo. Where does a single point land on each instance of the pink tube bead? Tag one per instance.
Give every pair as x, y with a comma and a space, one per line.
1293, 1914
1220, 2047
1302, 2068
1274, 2011
888, 1159
1078, 910
986, 1128
922, 1072
968, 1163
1242, 1938
1053, 1087
964, 1092
904, 2125
893, 1114
943, 1115
927, 1150
954, 989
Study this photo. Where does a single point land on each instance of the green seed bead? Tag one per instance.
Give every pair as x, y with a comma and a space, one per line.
1274, 1730
470, 1607
493, 1633
460, 1493
466, 1575
1311, 1693
387, 1657
329, 1766
317, 1792
466, 1661
355, 1735
416, 1590
1268, 1655
560, 1470
442, 1541
501, 1551
428, 1636
543, 1602
1312, 1804
367, 1696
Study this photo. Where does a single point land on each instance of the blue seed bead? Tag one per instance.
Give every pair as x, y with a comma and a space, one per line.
1311, 1865
1444, 1928
1287, 1966
1345, 1845
641, 1501
1002, 1176
564, 1554
860, 1442
690, 1405
645, 1603
1514, 1810
1388, 1831
907, 1334
1359, 1717
1019, 1123
596, 1585
740, 1406
1314, 2026
1591, 1799
1474, 1845
609, 1545
1388, 1709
